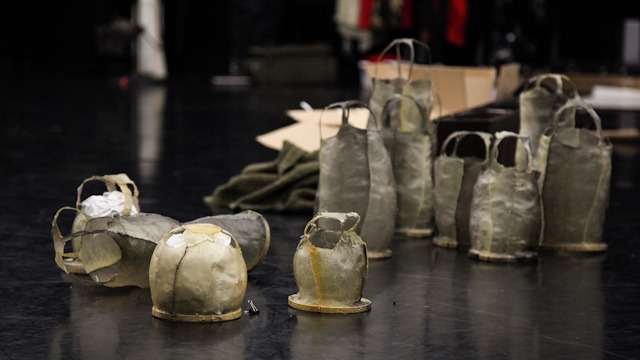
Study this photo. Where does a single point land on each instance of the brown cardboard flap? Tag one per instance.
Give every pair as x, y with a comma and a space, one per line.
508, 80
303, 134
459, 87
333, 117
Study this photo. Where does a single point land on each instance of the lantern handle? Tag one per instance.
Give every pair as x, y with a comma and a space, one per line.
59, 240
412, 55
459, 135
345, 106
115, 182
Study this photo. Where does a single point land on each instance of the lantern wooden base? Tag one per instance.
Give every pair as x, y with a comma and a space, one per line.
497, 257
445, 242
384, 254
584, 247
415, 233
363, 305
165, 315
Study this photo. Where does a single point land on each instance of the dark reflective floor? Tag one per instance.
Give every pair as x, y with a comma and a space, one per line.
178, 142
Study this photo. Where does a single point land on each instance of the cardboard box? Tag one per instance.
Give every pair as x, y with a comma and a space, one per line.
459, 88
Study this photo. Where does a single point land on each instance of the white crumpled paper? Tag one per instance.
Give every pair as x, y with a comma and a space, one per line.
108, 204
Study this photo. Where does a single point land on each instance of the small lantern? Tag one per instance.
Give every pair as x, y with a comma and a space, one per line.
330, 266
197, 274
113, 251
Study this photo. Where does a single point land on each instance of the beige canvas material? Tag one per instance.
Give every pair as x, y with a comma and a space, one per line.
455, 178
197, 274
537, 108
409, 119
356, 175
576, 180
114, 251
506, 210
412, 161
330, 265
249, 228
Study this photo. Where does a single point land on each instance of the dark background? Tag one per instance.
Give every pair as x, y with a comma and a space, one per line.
200, 37
62, 121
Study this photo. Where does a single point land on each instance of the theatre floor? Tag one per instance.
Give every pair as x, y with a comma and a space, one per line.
179, 141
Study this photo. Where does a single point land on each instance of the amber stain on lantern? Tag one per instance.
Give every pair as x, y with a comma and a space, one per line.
315, 265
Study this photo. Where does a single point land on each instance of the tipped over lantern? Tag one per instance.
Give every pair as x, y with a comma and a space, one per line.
119, 199
250, 229
111, 250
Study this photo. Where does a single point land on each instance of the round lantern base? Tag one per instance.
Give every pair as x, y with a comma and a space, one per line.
585, 247
363, 305
497, 257
415, 233
165, 315
383, 254
445, 242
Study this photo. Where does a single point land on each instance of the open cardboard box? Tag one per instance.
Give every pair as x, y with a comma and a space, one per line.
459, 88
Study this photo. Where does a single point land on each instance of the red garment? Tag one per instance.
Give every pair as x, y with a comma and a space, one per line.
457, 14
366, 11
407, 14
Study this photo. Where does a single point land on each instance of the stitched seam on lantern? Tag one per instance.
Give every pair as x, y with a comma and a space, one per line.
510, 211
490, 230
425, 189
595, 198
173, 289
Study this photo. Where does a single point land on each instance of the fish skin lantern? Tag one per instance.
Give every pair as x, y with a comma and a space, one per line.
330, 267
250, 229
197, 274
113, 251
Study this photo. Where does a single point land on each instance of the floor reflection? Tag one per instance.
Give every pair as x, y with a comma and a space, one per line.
108, 322
448, 318
148, 114
501, 310
327, 336
571, 306
523, 311
99, 321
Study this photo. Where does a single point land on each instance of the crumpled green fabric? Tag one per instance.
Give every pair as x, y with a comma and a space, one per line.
506, 210
455, 178
575, 191
287, 183
412, 160
356, 176
537, 108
